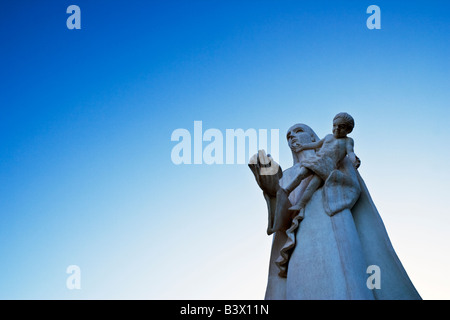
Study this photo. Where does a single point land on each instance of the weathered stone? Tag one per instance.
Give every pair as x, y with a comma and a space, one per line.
323, 246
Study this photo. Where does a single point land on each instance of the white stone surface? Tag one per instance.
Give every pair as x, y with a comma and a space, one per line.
340, 235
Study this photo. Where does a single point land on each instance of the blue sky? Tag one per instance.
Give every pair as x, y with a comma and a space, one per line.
86, 118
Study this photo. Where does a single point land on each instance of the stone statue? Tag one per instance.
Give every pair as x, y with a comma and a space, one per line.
327, 232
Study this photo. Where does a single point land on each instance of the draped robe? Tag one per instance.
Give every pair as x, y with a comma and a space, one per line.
326, 254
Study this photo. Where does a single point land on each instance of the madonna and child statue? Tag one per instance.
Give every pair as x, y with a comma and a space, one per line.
329, 241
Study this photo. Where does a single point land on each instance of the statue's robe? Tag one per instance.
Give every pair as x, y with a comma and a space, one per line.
326, 255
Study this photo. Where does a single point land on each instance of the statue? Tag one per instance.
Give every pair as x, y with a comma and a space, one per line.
326, 229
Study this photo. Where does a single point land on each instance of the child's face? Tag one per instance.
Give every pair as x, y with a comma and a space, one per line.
340, 129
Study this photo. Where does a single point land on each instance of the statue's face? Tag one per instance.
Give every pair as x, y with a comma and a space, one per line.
298, 134
340, 128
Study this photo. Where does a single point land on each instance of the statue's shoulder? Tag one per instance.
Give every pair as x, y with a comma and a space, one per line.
329, 138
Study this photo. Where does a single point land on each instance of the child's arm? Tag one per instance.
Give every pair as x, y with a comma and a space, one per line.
351, 154
308, 146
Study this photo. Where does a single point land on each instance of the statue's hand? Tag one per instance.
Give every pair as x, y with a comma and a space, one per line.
357, 162
267, 172
297, 147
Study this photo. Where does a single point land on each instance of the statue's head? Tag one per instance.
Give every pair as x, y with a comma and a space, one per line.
343, 124
300, 133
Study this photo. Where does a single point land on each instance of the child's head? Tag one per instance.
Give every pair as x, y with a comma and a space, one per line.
343, 124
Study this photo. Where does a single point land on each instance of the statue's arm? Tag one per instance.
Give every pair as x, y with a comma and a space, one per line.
309, 146
351, 154
266, 171
267, 174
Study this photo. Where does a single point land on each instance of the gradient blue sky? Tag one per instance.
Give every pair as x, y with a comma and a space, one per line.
86, 118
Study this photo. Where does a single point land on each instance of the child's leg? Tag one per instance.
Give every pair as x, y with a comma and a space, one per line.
283, 218
304, 173
313, 185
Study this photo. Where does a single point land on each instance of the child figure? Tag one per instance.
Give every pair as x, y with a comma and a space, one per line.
333, 149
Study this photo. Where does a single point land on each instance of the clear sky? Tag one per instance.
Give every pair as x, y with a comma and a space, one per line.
86, 117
